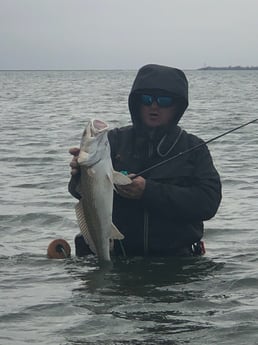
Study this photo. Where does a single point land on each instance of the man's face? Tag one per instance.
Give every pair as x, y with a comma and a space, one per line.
156, 111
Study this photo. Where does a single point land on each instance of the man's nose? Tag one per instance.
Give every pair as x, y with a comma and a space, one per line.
154, 104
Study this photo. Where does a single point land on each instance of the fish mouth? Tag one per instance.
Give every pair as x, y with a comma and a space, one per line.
94, 128
98, 125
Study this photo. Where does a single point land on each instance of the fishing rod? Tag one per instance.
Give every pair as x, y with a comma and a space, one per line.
192, 149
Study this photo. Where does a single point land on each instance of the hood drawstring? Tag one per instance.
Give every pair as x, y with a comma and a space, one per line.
171, 147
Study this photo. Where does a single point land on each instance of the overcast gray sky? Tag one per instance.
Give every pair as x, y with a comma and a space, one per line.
114, 34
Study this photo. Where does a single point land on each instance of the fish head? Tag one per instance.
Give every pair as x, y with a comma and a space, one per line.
94, 143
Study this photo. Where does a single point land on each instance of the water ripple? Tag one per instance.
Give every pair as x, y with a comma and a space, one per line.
210, 300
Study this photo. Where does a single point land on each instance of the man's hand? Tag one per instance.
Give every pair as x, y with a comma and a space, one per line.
133, 190
75, 168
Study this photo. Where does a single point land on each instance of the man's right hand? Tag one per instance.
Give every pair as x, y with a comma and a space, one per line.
75, 168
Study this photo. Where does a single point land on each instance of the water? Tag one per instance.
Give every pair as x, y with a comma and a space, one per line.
208, 300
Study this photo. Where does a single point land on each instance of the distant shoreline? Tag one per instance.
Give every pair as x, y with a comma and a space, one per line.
207, 68
229, 68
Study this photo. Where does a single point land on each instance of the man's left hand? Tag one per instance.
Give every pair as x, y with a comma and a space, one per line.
133, 190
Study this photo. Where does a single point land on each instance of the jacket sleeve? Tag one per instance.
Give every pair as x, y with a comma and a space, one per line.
197, 201
73, 186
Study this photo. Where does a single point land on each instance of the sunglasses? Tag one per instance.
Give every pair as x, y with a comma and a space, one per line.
162, 101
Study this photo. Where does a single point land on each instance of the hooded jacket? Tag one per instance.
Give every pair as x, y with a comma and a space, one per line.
179, 195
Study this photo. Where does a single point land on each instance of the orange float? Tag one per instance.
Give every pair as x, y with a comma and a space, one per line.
59, 249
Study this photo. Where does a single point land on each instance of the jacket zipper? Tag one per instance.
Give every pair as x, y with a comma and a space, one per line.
146, 216
146, 232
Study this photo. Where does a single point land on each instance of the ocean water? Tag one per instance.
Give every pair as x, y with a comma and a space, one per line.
207, 300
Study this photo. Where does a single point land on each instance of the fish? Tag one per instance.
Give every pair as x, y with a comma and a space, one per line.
96, 187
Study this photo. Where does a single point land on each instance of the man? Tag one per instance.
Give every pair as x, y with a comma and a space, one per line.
162, 211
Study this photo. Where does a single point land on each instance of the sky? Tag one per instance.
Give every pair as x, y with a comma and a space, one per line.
126, 34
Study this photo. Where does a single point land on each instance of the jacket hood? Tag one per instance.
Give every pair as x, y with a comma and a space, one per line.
156, 78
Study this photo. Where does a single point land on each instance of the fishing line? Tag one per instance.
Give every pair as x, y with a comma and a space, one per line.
192, 149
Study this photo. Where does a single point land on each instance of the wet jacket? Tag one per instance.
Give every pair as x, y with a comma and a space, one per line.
180, 194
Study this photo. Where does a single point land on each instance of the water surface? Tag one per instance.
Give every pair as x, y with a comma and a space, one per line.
208, 300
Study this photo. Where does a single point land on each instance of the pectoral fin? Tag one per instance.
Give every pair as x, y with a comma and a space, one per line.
121, 179
83, 157
116, 234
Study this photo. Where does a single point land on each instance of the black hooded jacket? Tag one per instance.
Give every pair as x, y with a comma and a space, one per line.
180, 194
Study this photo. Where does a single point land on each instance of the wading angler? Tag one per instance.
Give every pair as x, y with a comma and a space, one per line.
161, 213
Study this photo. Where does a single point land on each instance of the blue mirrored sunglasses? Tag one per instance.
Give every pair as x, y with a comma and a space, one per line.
162, 101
